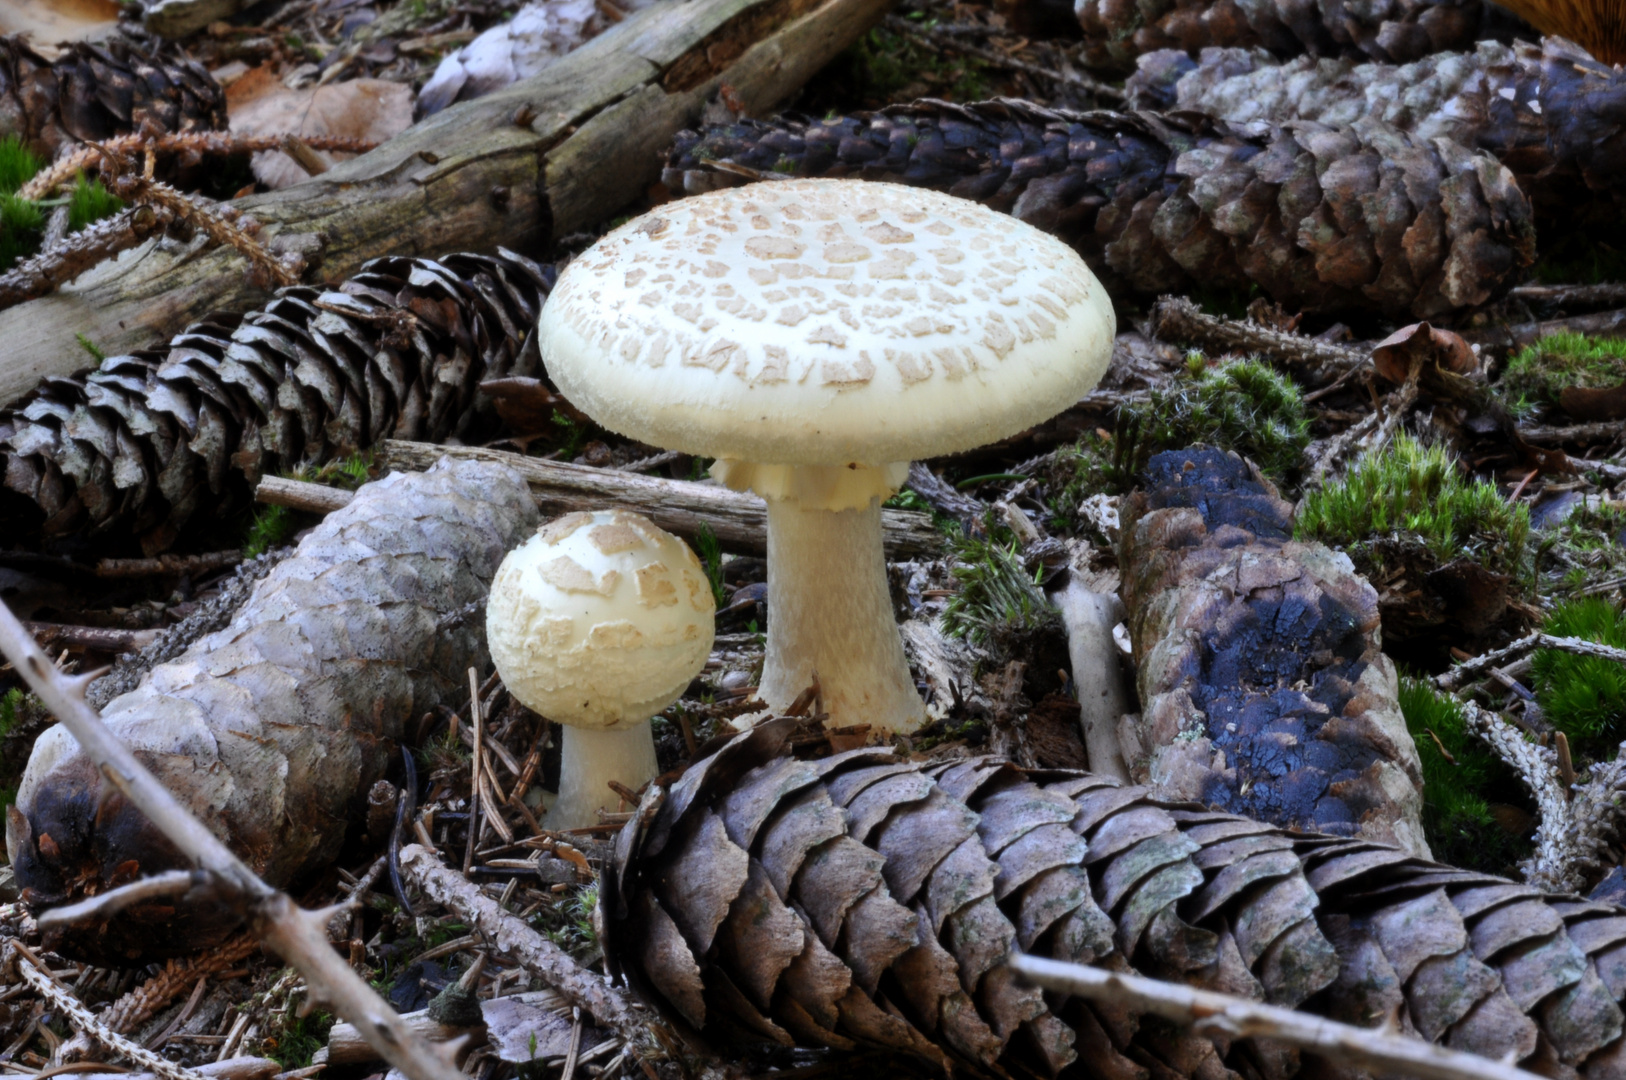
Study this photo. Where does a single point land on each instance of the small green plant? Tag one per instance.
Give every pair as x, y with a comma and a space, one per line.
299, 1039
996, 592
271, 527
91, 347
1584, 696
1538, 373
569, 924
18, 164
711, 558
1459, 771
1414, 496
574, 433
90, 202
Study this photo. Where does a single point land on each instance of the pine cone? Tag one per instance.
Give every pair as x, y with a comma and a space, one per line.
1263, 685
398, 351
863, 900
273, 729
93, 92
1397, 31
1549, 113
1324, 219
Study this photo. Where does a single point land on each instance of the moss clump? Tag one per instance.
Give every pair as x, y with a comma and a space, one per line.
1413, 497
1538, 373
1584, 696
89, 202
1243, 406
1459, 772
997, 595
22, 222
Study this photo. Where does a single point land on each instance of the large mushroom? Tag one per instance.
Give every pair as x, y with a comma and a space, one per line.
814, 336
598, 622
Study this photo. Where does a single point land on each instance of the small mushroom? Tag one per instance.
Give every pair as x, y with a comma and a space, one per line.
814, 336
598, 622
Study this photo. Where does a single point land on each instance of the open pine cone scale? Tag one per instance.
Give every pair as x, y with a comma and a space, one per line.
864, 901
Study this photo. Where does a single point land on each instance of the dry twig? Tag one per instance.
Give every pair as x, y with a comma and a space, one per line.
1176, 319
1455, 677
1211, 1013
299, 936
59, 263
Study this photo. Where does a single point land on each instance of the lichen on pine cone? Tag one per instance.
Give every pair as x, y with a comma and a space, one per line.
272, 730
146, 440
94, 92
862, 900
1116, 32
1361, 217
1548, 112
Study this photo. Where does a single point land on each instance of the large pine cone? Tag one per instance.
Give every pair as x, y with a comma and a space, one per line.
863, 900
94, 92
1324, 219
1550, 113
1394, 30
146, 440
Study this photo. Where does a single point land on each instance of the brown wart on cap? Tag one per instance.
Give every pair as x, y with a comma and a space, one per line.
598, 622
815, 336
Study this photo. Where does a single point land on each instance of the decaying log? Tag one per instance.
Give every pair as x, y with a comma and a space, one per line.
271, 729
1547, 111
1319, 218
738, 519
544, 158
863, 900
1264, 688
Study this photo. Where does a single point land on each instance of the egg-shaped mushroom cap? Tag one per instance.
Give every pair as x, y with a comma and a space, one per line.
600, 620
825, 322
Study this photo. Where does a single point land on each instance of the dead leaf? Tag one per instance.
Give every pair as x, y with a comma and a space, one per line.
1586, 403
1393, 356
259, 104
522, 1033
47, 22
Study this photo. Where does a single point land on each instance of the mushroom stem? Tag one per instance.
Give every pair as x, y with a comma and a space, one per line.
589, 759
830, 611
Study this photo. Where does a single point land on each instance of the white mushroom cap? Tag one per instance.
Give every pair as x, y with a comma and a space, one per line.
825, 322
600, 620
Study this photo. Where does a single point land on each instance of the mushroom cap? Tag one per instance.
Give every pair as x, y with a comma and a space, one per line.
825, 322
600, 620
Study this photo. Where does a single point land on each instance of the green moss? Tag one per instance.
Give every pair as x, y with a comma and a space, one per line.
22, 224
1538, 373
1412, 496
1582, 550
711, 559
1459, 771
1584, 696
1243, 406
300, 1038
18, 164
996, 592
90, 202
271, 527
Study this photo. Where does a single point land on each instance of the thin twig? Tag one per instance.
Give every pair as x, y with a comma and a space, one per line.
1455, 677
299, 936
1601, 295
474, 776
106, 905
1174, 318
940, 43
1209, 1012
57, 264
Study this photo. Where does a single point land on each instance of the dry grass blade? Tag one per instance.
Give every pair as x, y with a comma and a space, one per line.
1209, 1012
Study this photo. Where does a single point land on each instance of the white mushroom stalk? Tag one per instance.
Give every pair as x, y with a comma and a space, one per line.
598, 622
815, 336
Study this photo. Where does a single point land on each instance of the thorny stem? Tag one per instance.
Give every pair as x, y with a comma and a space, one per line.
1177, 319
62, 262
299, 936
1380, 1050
1450, 680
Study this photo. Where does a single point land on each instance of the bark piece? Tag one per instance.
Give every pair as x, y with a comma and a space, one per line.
1263, 685
1321, 218
1397, 937
548, 156
272, 729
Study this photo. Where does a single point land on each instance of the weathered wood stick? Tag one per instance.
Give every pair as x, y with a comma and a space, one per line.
540, 159
107, 639
738, 519
301, 495
345, 1046
236, 1068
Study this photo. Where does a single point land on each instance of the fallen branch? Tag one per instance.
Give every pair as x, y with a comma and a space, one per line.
1211, 1013
518, 942
1176, 319
302, 495
1456, 676
738, 519
61, 263
299, 936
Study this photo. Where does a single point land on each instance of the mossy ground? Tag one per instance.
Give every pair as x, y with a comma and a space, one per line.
1461, 780
1538, 373
1243, 406
1414, 498
22, 222
1584, 696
